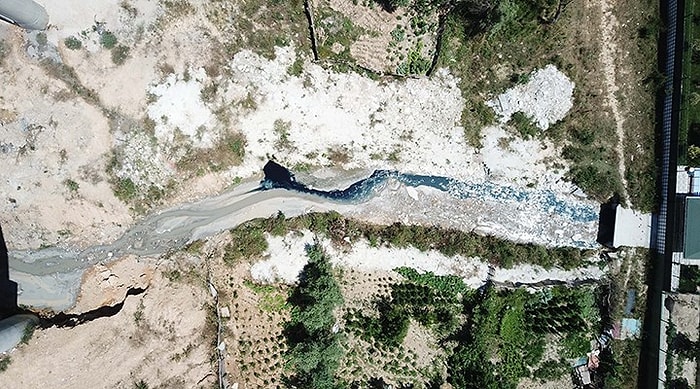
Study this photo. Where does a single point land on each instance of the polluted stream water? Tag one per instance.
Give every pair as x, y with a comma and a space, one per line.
50, 277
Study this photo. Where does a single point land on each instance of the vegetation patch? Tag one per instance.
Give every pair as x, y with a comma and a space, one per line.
108, 40
119, 54
5, 363
271, 300
247, 240
524, 125
260, 25
689, 130
345, 333
314, 348
4, 51
228, 151
73, 43
490, 46
336, 33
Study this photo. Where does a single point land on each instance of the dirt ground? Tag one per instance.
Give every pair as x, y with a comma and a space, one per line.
686, 317
160, 337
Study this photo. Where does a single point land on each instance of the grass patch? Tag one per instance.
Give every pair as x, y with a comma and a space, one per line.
68, 75
271, 299
281, 130
247, 241
228, 151
297, 67
195, 247
260, 25
336, 34
524, 125
173, 275
28, 332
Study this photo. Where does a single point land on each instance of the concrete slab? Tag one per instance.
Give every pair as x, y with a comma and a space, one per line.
632, 228
682, 180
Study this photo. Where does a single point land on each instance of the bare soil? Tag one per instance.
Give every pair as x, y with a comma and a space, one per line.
159, 336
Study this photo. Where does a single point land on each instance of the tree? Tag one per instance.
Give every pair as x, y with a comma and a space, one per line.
693, 156
314, 348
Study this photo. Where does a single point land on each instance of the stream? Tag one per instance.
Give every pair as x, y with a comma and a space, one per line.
50, 277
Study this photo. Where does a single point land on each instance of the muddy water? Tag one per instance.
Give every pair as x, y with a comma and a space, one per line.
50, 278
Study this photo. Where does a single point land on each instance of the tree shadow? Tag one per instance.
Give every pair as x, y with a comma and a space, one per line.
8, 288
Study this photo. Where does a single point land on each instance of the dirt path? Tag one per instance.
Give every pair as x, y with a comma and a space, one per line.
608, 24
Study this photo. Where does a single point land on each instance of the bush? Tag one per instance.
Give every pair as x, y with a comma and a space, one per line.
120, 54
551, 370
689, 280
71, 185
108, 40
524, 125
73, 43
576, 345
41, 39
247, 241
140, 384
124, 189
4, 363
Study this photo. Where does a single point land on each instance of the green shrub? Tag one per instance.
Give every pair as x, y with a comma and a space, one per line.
247, 241
4, 363
71, 185
108, 40
297, 67
124, 189
415, 64
551, 370
119, 54
524, 125
73, 43
576, 344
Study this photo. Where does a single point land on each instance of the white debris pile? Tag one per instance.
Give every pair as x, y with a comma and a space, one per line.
546, 98
523, 161
531, 274
286, 258
179, 107
411, 125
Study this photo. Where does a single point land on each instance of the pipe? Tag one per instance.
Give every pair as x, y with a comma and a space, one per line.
24, 13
